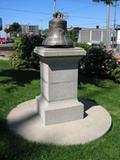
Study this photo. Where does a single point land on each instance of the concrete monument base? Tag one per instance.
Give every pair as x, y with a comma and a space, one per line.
59, 111
59, 80
25, 121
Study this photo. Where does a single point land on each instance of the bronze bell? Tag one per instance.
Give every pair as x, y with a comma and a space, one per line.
57, 35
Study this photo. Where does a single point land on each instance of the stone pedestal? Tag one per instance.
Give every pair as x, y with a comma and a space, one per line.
59, 79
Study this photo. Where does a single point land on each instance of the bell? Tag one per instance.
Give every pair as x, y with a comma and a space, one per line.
58, 36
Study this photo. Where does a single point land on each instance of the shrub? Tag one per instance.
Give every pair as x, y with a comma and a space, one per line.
14, 29
73, 35
23, 55
116, 74
83, 45
98, 62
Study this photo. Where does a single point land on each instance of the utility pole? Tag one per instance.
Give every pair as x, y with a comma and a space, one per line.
41, 20
54, 6
115, 13
108, 36
114, 26
108, 33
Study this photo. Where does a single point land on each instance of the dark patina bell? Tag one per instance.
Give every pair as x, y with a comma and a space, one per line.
57, 35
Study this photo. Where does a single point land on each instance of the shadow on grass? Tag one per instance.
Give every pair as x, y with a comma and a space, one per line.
88, 103
97, 81
19, 77
13, 147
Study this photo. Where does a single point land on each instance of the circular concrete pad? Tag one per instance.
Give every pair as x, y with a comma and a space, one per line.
25, 121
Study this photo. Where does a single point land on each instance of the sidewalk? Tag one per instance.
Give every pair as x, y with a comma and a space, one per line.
4, 55
4, 58
117, 56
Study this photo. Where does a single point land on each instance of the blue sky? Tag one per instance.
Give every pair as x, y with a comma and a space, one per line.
82, 13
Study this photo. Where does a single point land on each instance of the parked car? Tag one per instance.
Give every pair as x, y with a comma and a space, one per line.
10, 40
3, 41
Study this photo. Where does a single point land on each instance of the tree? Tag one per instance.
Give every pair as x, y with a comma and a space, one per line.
14, 29
7, 30
73, 35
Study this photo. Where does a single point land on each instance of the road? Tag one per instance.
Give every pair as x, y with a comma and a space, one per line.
5, 51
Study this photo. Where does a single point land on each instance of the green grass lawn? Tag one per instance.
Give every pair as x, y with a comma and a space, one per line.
18, 86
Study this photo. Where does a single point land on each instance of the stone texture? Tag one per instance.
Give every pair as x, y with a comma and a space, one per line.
56, 73
61, 52
59, 111
59, 91
25, 121
59, 79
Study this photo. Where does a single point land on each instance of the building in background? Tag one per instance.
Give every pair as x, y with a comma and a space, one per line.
118, 38
118, 34
30, 29
92, 35
1, 24
27, 29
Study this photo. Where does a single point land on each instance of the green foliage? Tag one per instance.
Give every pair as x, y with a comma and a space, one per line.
98, 62
116, 74
17, 41
13, 29
44, 31
73, 35
23, 55
107, 1
7, 30
83, 45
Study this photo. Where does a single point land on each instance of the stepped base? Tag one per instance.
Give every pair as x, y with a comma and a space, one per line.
25, 121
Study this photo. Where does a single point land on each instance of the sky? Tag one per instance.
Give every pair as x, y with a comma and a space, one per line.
81, 13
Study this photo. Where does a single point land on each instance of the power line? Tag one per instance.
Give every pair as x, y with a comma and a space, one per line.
25, 11
44, 13
86, 17
98, 19
80, 8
